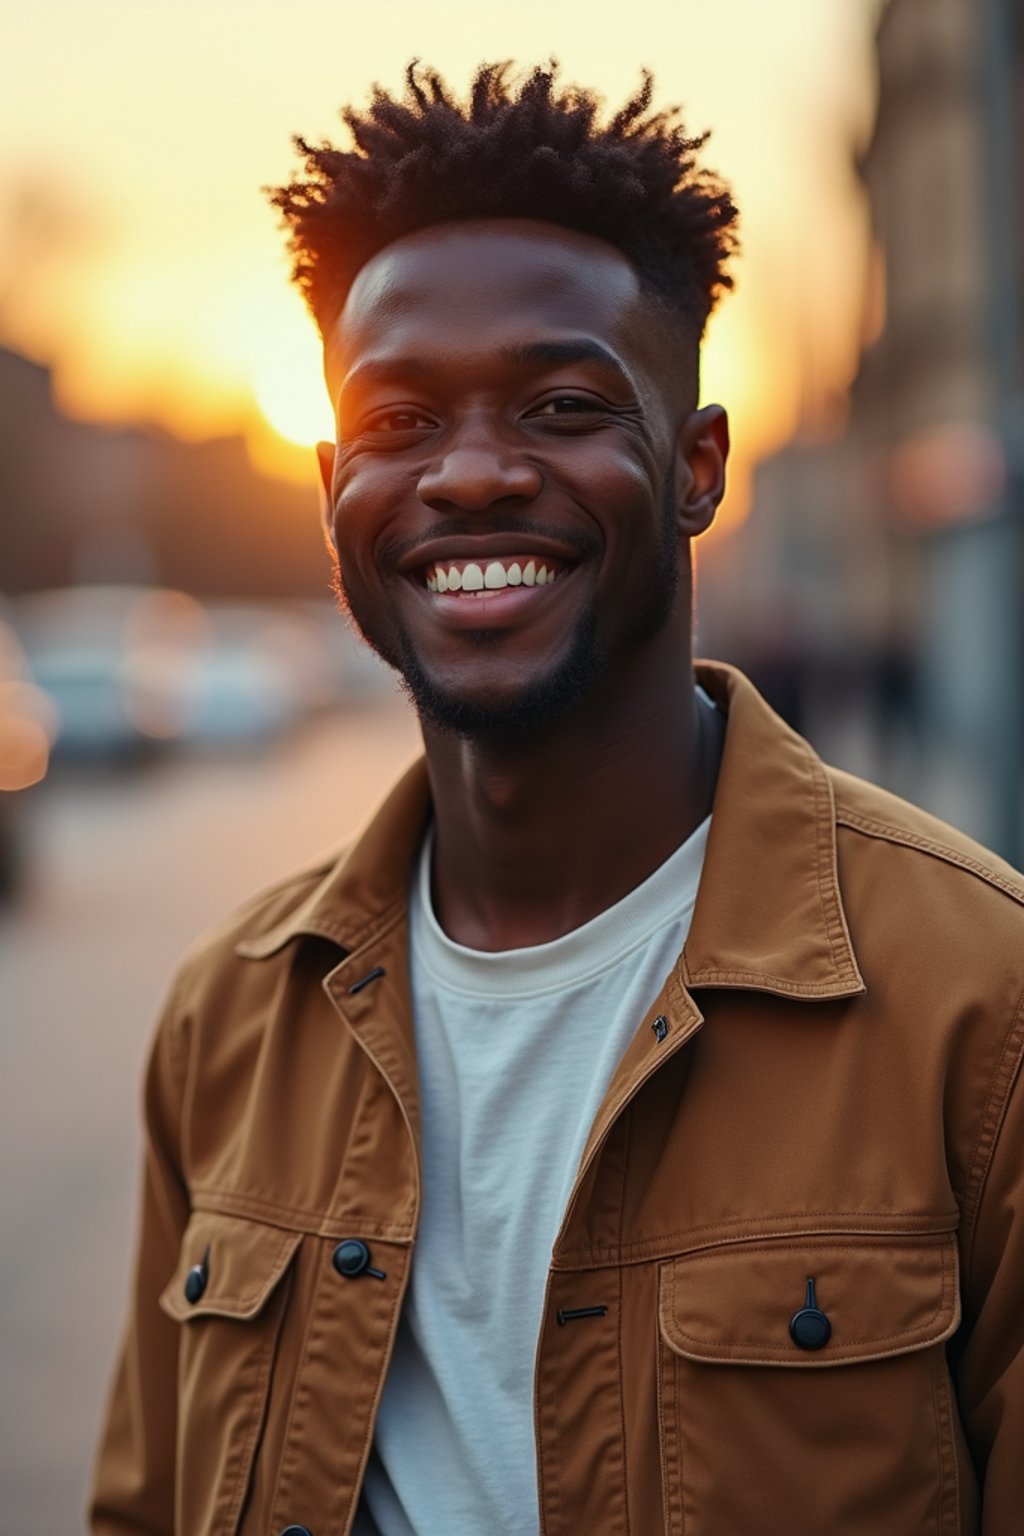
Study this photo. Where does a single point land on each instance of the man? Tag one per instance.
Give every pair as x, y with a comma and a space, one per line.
625, 1135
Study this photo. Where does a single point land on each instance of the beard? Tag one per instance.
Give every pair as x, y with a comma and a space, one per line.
547, 699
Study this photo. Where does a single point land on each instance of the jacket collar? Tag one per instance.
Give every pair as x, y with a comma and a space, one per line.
769, 913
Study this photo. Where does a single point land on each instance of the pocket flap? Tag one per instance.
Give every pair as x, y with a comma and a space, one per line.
242, 1260
882, 1296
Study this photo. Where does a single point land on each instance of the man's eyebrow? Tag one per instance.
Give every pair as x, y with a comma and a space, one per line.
525, 354
384, 370
581, 349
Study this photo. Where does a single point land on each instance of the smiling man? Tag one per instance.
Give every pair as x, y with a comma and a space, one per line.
625, 1135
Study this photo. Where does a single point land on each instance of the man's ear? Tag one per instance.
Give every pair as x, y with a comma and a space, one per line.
701, 453
325, 462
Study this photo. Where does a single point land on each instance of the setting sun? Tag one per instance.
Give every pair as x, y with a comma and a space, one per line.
156, 286
289, 388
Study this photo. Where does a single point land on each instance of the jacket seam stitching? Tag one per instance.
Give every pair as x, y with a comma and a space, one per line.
265, 1359
824, 818
996, 1103
782, 983
286, 1464
228, 1202
888, 832
618, 1324
642, 1248
179, 1062
189, 1073
939, 1409
372, 1403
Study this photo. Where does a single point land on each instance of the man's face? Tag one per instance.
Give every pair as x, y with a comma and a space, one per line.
502, 497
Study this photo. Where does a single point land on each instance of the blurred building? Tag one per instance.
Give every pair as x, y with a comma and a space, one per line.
85, 503
879, 584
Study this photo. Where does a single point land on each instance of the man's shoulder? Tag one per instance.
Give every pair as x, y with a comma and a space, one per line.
250, 929
869, 813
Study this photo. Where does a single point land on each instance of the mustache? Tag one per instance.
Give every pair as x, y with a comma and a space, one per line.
582, 544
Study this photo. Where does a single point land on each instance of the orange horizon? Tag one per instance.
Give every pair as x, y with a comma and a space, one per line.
189, 323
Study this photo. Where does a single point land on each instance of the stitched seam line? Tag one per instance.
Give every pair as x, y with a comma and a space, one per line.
648, 1247
374, 1399
824, 815
770, 1349
255, 1418
996, 1102
316, 1223
893, 834
618, 1330
939, 1408
665, 1449
784, 984
954, 1459
287, 1462
181, 1066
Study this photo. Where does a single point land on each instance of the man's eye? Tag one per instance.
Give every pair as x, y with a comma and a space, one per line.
565, 405
398, 421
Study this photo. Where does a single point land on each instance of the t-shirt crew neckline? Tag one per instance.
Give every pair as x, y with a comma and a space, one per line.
663, 898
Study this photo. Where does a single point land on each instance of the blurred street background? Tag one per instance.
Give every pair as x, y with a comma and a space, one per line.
183, 714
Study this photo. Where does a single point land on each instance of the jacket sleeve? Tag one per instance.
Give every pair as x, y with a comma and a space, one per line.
990, 1372
133, 1482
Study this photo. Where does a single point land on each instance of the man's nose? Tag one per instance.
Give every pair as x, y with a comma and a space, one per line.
473, 477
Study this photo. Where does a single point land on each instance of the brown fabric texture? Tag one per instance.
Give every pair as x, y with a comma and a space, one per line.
836, 1099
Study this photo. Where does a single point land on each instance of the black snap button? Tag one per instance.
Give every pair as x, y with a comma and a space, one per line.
810, 1328
296, 1530
195, 1283
351, 1257
195, 1280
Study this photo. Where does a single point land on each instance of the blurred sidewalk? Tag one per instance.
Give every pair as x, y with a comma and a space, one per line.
127, 871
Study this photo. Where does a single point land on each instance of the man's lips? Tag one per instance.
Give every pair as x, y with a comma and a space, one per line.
481, 549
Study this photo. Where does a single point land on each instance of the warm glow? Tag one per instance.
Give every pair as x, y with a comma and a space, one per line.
156, 284
290, 389
28, 725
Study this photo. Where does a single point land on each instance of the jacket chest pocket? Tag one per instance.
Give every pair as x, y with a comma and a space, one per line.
228, 1292
803, 1387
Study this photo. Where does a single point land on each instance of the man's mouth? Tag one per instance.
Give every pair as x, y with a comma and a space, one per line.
477, 576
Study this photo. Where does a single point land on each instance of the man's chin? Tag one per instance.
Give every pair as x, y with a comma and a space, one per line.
510, 713
515, 718
519, 713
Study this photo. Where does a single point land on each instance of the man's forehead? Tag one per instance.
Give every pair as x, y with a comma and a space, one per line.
518, 276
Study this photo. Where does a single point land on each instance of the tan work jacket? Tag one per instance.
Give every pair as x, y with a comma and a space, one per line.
800, 1210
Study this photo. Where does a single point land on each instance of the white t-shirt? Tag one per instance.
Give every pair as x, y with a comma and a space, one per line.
516, 1050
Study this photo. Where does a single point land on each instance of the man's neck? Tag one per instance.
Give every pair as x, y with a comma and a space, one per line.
535, 838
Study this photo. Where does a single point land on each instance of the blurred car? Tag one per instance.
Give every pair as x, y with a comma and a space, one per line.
132, 669
258, 672
100, 653
27, 729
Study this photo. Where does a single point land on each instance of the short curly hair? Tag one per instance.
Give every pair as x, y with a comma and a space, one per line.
517, 148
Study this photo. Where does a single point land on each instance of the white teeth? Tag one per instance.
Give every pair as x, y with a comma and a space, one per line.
492, 577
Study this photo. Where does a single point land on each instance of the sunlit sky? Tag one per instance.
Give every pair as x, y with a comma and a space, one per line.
139, 259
